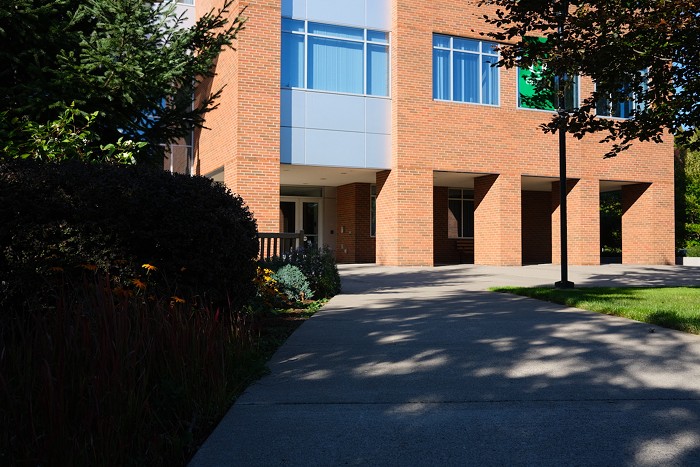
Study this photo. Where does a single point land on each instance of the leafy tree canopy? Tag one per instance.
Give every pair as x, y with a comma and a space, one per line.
643, 53
131, 62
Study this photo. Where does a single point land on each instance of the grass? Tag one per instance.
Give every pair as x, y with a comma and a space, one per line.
669, 307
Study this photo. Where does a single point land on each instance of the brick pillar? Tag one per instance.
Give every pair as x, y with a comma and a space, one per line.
497, 220
404, 217
354, 243
245, 135
648, 224
583, 214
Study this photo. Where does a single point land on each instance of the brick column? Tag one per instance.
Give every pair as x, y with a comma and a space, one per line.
404, 217
245, 127
497, 220
648, 224
583, 213
354, 244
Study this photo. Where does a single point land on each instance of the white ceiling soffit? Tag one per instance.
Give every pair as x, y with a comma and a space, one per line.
301, 175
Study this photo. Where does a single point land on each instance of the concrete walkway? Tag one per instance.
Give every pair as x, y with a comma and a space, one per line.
423, 367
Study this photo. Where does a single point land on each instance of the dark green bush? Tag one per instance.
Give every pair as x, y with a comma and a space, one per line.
692, 250
293, 283
56, 218
318, 266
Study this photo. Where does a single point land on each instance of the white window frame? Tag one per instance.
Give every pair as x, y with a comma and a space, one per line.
365, 57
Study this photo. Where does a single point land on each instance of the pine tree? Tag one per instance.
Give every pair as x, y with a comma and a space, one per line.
130, 61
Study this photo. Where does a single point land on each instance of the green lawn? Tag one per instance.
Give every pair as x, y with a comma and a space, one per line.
670, 307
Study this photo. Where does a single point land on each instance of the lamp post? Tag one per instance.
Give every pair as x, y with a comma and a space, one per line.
561, 80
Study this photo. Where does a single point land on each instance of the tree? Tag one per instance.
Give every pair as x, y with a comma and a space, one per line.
688, 196
129, 61
644, 54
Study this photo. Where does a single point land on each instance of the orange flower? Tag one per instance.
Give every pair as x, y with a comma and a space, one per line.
138, 283
89, 267
149, 267
176, 299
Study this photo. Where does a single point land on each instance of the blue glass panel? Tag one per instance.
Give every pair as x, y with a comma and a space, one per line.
465, 44
441, 41
377, 70
292, 60
490, 48
441, 74
292, 25
377, 36
489, 80
465, 77
340, 32
335, 65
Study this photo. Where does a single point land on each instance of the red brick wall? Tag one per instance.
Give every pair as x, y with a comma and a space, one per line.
497, 220
583, 222
244, 130
537, 227
354, 243
647, 224
430, 135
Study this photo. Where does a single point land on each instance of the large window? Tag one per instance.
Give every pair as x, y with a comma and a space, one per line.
623, 106
532, 95
464, 70
460, 213
334, 58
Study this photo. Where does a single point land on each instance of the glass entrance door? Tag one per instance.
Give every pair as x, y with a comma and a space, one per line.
302, 214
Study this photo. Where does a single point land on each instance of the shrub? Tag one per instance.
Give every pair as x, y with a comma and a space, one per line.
59, 218
112, 379
693, 250
293, 283
318, 266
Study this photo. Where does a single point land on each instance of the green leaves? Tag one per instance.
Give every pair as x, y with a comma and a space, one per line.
128, 62
651, 48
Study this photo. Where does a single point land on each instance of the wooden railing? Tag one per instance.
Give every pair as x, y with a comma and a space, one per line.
278, 244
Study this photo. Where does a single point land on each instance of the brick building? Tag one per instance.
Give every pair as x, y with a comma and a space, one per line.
380, 128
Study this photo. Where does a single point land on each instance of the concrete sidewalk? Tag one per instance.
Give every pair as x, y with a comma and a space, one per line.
414, 366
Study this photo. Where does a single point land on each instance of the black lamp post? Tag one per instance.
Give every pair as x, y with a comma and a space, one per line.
564, 283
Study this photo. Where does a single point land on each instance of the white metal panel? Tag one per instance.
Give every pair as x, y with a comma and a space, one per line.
293, 108
335, 111
378, 115
347, 12
378, 14
189, 13
378, 151
335, 148
292, 145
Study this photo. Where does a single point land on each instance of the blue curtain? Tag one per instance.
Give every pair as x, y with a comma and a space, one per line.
441, 74
335, 65
377, 70
292, 60
465, 71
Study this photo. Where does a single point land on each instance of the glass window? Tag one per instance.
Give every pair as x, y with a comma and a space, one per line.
464, 70
292, 60
335, 65
531, 95
373, 211
460, 213
624, 107
334, 58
